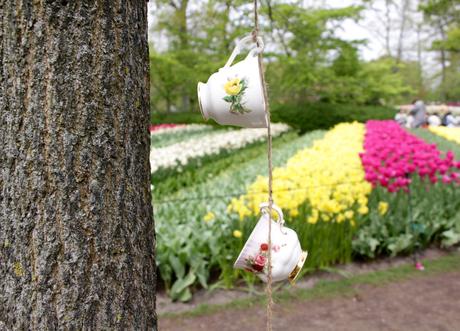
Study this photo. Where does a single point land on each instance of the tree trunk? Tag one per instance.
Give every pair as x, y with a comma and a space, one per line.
421, 85
388, 25
76, 225
183, 22
402, 31
443, 63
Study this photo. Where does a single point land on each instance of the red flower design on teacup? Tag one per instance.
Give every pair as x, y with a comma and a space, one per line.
259, 262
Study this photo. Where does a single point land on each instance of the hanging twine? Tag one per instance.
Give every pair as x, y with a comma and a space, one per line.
255, 34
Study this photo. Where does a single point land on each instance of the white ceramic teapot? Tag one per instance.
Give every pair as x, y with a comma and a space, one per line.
287, 255
234, 94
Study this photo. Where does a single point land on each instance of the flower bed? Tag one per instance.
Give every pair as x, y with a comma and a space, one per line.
193, 176
169, 136
328, 176
393, 156
171, 128
194, 232
452, 134
179, 155
359, 190
415, 186
323, 190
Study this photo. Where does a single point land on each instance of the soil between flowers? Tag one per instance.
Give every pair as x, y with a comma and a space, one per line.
429, 302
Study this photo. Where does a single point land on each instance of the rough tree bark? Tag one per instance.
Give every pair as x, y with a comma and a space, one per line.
76, 225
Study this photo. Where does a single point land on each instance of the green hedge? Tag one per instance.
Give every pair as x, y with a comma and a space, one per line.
309, 117
178, 118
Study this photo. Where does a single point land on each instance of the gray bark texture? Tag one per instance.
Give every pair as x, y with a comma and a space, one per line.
76, 223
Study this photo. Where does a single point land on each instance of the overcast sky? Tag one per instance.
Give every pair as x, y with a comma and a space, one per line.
352, 31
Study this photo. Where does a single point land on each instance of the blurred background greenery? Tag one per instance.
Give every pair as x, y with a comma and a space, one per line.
310, 65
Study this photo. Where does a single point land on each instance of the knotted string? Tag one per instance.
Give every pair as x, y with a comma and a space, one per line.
255, 34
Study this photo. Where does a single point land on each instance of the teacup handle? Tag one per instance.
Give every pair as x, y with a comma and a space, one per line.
240, 44
264, 208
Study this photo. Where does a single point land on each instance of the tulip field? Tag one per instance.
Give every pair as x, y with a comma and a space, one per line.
356, 191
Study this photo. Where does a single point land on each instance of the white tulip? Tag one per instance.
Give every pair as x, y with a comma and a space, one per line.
212, 144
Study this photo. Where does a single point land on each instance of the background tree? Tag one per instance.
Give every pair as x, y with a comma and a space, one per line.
76, 229
307, 60
444, 17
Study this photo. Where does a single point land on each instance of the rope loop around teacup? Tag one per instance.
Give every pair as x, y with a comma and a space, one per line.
240, 44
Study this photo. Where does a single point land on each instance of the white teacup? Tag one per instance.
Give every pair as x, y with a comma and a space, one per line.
234, 94
287, 255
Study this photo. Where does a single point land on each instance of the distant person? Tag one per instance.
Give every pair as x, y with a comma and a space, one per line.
401, 118
419, 114
434, 120
457, 120
449, 120
409, 121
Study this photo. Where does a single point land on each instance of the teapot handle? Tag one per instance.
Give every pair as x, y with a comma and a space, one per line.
264, 206
240, 44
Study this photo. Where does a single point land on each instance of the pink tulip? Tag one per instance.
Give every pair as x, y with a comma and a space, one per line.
392, 155
419, 266
153, 128
446, 179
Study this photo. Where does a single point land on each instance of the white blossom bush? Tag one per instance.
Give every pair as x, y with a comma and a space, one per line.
180, 154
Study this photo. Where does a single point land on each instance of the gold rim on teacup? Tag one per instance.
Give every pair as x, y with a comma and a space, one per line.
205, 116
296, 271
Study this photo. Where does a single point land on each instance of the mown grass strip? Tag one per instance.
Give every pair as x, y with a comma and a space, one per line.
333, 288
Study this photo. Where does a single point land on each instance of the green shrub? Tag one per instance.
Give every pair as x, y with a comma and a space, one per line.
178, 118
309, 117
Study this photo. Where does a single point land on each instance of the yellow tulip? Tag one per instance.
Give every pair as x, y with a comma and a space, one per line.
209, 216
340, 218
363, 210
452, 134
237, 234
328, 176
349, 214
383, 207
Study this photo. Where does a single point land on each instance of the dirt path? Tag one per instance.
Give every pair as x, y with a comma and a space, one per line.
423, 303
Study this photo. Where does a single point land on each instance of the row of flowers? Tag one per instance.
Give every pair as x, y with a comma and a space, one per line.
196, 234
337, 174
393, 156
168, 136
327, 194
452, 134
173, 128
419, 180
359, 174
180, 154
328, 176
